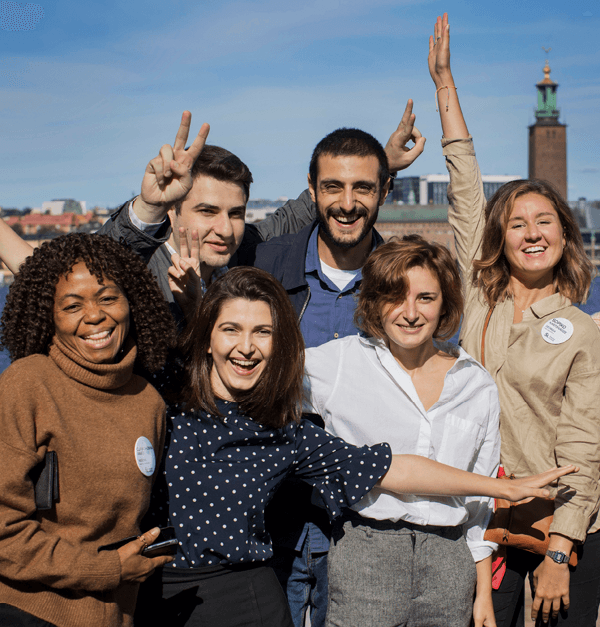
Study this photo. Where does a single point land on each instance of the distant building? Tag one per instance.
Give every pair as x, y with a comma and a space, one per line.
64, 205
429, 221
548, 138
432, 189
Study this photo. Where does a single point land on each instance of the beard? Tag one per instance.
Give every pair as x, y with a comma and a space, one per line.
342, 241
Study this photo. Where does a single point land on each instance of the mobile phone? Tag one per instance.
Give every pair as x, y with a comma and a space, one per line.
166, 538
168, 547
165, 544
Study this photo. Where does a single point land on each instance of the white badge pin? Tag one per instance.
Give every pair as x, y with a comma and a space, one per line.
144, 456
557, 330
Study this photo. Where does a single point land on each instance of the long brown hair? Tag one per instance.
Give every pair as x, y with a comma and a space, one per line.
491, 273
276, 399
384, 283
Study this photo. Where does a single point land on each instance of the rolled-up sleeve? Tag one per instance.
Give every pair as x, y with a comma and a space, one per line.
578, 442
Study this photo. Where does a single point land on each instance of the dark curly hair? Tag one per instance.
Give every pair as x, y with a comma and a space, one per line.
27, 324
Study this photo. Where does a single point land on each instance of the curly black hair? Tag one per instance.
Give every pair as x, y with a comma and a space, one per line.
27, 324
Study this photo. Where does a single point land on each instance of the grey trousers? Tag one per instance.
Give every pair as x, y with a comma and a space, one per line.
385, 574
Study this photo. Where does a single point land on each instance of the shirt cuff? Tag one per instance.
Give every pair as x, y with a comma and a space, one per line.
151, 228
462, 146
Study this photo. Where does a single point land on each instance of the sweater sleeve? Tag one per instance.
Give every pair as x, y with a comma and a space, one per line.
28, 553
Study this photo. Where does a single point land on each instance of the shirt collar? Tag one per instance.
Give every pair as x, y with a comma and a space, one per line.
313, 263
550, 305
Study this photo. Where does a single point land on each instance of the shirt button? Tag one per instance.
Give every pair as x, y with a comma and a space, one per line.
339, 296
336, 335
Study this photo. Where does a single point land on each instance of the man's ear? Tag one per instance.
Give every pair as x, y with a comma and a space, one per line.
385, 190
311, 189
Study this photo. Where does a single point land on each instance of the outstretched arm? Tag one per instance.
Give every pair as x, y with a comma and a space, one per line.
453, 122
13, 249
168, 177
413, 474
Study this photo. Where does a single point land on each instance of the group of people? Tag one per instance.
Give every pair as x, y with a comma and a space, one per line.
306, 375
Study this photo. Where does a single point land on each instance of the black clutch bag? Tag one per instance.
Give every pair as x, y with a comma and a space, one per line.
45, 481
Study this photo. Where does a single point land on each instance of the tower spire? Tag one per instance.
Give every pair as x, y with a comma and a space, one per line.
546, 92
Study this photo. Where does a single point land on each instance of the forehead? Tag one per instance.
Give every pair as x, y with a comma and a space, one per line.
80, 280
347, 168
531, 205
243, 311
209, 191
422, 279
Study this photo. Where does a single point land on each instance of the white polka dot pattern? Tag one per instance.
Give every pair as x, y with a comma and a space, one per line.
220, 473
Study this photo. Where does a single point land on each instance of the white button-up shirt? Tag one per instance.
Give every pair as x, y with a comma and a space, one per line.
365, 397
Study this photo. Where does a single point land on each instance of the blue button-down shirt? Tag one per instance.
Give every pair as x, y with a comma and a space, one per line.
329, 314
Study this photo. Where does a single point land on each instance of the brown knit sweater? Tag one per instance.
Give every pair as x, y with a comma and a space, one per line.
91, 415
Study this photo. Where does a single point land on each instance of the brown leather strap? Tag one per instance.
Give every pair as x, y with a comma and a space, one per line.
485, 326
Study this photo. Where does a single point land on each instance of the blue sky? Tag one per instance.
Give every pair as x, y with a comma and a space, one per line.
89, 91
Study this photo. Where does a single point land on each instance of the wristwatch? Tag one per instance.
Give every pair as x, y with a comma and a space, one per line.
558, 556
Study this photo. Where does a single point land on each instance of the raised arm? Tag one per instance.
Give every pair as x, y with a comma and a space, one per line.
465, 192
453, 122
13, 249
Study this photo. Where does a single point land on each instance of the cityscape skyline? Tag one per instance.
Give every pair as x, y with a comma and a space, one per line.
91, 91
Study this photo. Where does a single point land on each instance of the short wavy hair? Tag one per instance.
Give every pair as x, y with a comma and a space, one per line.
491, 273
27, 324
276, 399
384, 283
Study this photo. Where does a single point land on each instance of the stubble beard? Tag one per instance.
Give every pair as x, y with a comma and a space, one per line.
340, 242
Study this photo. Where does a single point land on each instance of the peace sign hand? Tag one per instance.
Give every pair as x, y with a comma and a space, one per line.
168, 177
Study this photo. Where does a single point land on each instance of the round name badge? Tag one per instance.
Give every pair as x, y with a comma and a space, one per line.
144, 456
557, 330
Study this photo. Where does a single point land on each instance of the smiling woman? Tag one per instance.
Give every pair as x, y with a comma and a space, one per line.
82, 312
523, 259
430, 399
90, 318
231, 443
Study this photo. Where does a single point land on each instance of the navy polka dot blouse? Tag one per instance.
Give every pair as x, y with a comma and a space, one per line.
220, 473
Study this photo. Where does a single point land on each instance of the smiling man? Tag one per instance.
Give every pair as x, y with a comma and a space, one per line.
202, 189
320, 268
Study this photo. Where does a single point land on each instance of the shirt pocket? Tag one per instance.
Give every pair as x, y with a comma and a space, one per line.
460, 442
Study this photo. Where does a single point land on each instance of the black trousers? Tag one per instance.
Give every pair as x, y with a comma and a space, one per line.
584, 589
219, 597
15, 617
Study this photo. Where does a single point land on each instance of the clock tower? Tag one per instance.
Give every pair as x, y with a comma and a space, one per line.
548, 138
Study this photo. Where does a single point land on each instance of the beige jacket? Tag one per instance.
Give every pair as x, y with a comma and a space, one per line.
549, 393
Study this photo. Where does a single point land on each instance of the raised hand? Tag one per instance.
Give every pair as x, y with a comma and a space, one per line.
439, 53
399, 156
168, 177
184, 274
